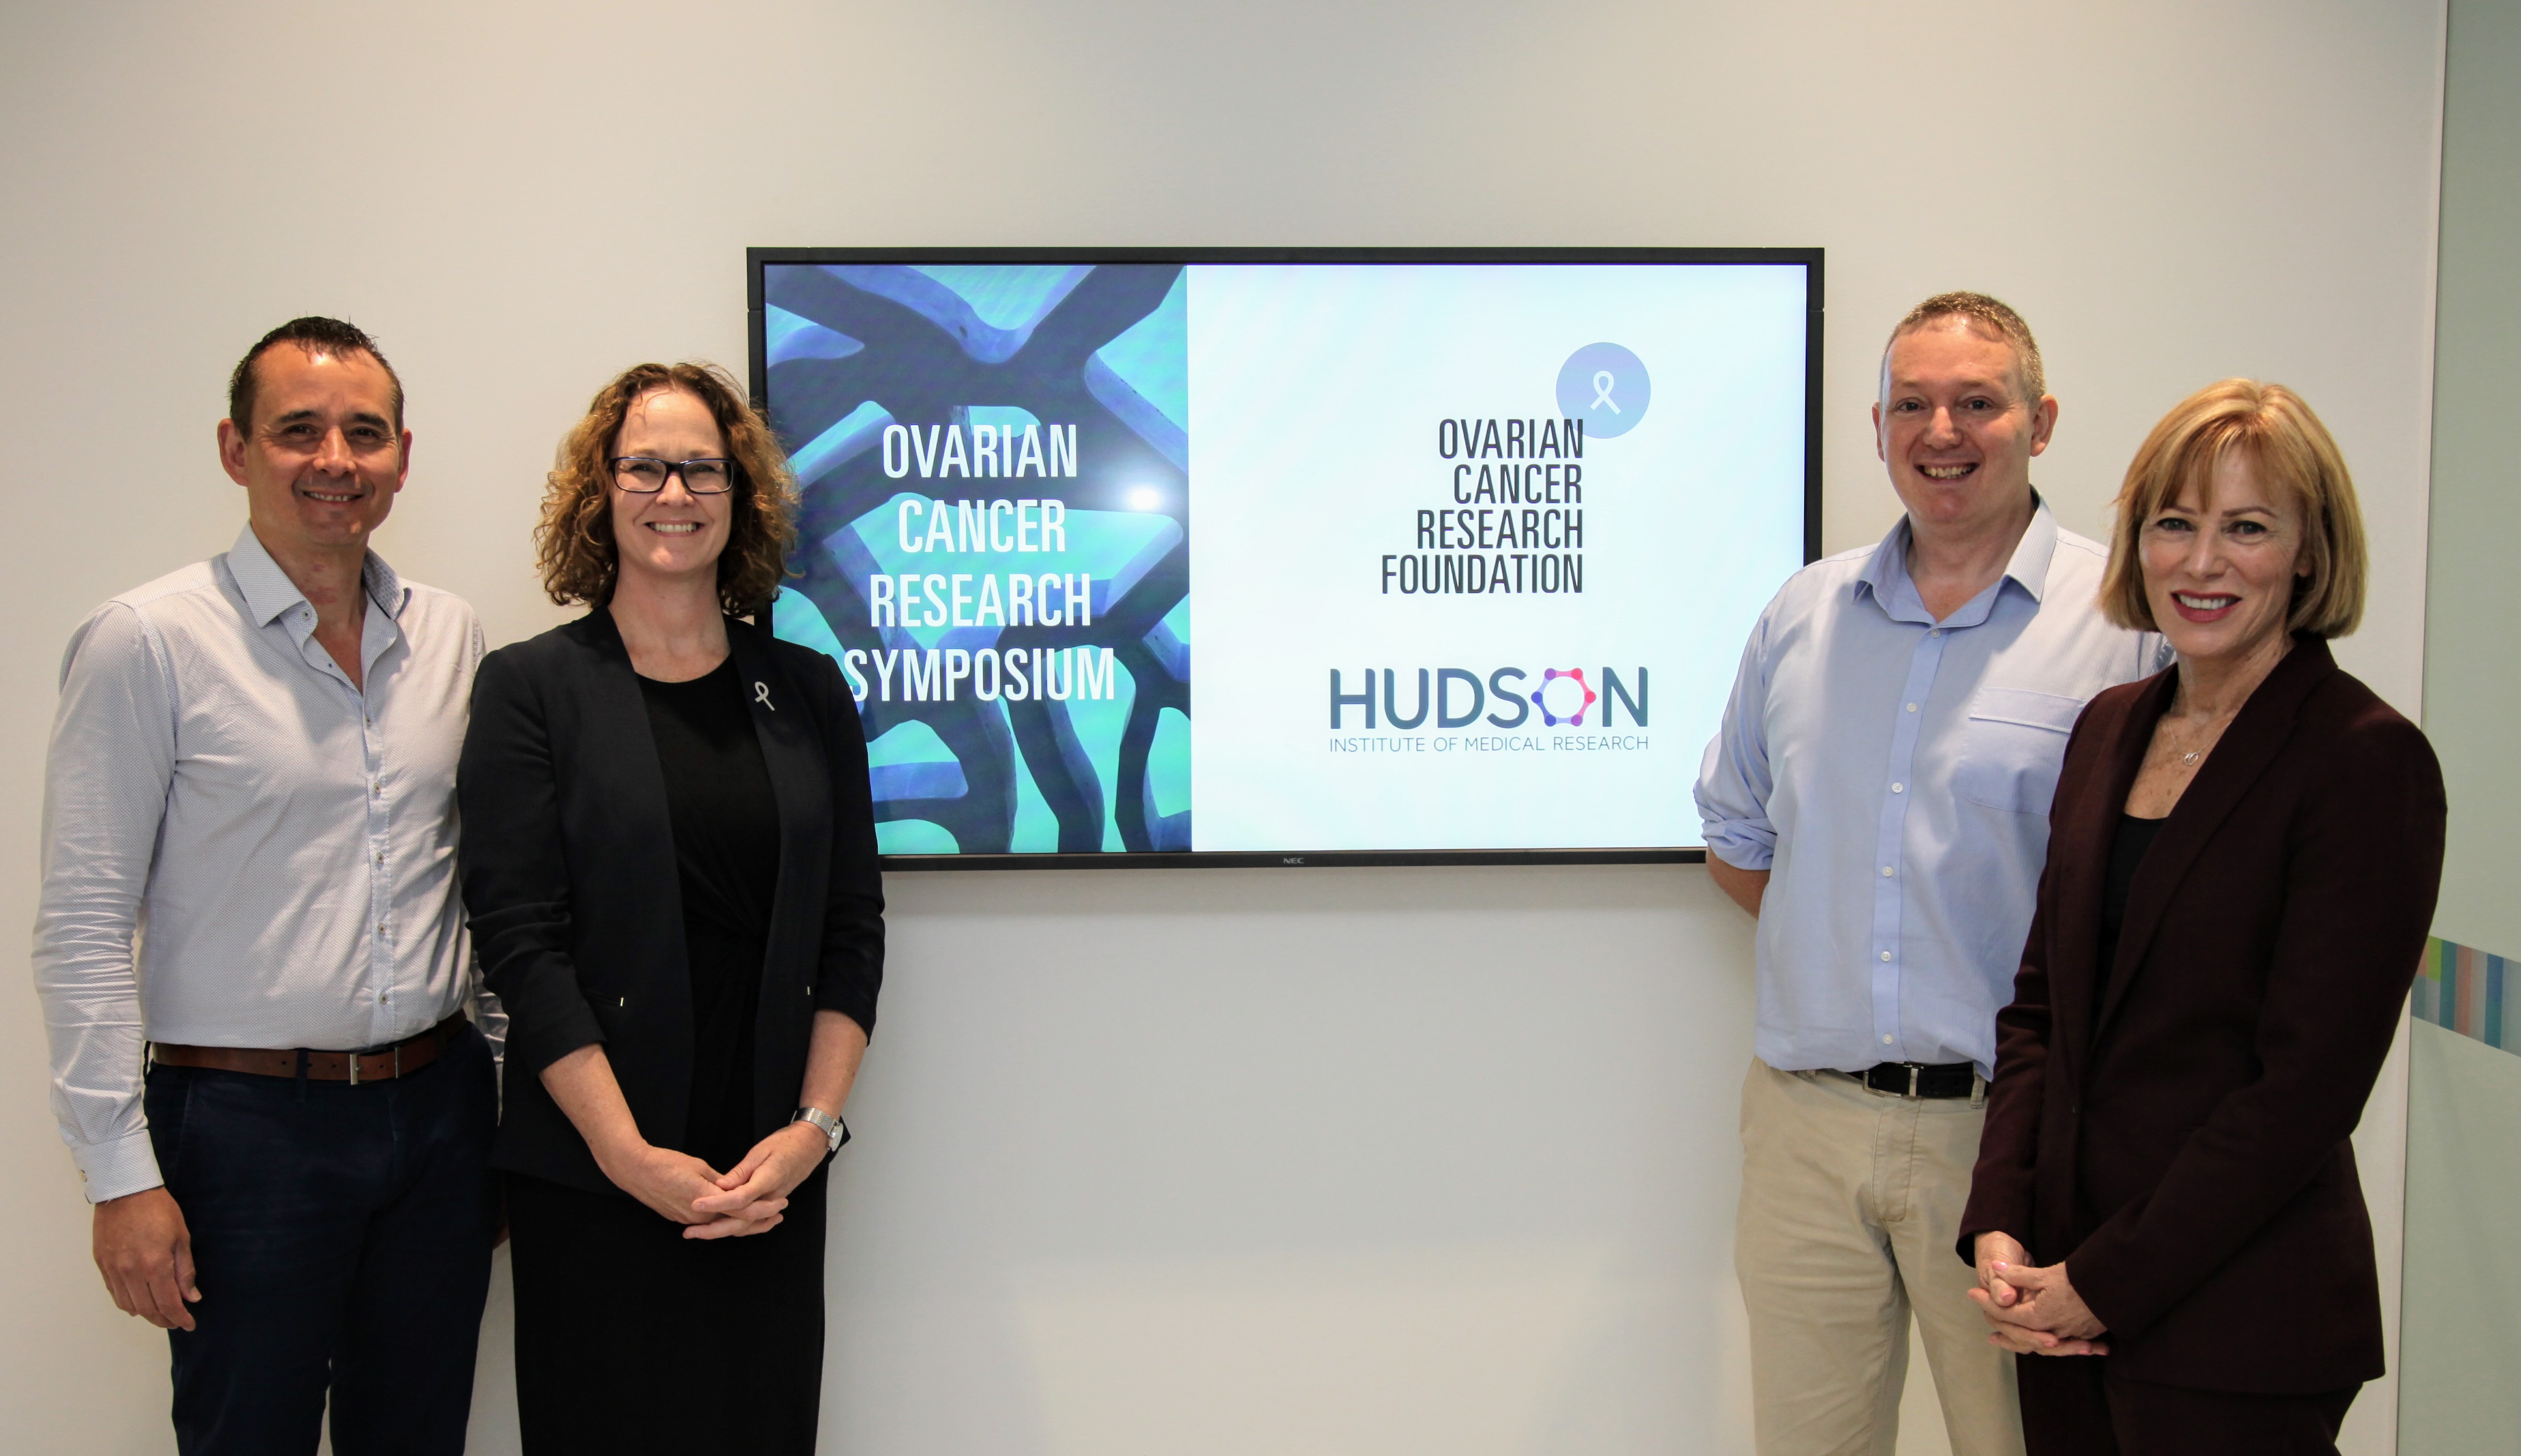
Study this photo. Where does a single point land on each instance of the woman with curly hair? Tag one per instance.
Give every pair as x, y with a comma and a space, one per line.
670, 865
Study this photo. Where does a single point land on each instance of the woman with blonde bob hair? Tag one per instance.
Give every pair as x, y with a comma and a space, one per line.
670, 864
2242, 862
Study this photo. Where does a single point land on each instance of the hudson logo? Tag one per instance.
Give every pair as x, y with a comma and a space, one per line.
1574, 678
1456, 698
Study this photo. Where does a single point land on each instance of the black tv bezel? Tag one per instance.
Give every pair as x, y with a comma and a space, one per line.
1809, 258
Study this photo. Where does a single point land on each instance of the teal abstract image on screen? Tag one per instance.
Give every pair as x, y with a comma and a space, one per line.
994, 527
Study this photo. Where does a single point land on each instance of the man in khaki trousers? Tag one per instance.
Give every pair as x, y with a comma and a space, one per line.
1878, 797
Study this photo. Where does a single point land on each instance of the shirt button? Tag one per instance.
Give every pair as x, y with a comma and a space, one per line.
1886, 871
1886, 955
1913, 707
1935, 632
1899, 788
381, 928
1886, 1038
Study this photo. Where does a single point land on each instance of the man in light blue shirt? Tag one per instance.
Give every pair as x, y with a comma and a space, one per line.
251, 952
1878, 797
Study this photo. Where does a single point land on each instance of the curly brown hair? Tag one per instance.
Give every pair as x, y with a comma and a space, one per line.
574, 542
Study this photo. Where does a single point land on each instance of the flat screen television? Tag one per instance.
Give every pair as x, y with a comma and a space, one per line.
1294, 556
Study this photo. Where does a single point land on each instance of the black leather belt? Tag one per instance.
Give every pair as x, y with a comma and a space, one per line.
1917, 1079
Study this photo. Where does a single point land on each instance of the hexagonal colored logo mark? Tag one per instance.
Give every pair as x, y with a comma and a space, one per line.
1541, 695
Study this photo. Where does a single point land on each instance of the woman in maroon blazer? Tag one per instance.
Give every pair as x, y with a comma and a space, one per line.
2243, 862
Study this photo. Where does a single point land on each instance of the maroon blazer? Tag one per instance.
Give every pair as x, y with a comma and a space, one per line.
2183, 1144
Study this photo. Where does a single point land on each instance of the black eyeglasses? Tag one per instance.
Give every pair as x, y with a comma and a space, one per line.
645, 475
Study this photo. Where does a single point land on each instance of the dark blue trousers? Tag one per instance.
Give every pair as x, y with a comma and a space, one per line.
342, 1240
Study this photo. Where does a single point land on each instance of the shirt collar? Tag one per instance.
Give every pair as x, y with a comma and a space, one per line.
1885, 573
2029, 568
268, 592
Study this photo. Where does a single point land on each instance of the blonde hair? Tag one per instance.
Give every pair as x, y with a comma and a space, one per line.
2294, 457
573, 543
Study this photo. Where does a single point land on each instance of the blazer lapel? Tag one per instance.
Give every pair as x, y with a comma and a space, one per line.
617, 735
789, 751
2258, 733
2094, 821
618, 721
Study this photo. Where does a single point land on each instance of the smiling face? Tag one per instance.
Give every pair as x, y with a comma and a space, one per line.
673, 534
322, 459
2220, 564
1957, 427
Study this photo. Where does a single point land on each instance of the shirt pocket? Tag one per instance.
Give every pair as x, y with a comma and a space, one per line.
2013, 747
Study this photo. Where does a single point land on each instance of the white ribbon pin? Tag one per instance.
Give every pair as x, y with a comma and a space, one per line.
761, 695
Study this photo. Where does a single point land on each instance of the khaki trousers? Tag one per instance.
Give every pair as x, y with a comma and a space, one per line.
1851, 1202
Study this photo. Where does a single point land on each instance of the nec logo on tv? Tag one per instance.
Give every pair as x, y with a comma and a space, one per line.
1457, 696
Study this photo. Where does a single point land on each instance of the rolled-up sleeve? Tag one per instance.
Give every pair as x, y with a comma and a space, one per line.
105, 778
1734, 779
516, 876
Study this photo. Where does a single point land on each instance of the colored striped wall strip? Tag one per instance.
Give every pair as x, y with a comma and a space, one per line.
2467, 990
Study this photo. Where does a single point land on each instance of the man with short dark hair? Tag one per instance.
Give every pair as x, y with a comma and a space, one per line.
1878, 797
281, 1112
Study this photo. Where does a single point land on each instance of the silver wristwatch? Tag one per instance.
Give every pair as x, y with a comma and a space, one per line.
834, 1131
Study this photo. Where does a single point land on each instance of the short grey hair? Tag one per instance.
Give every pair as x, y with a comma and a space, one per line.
1991, 314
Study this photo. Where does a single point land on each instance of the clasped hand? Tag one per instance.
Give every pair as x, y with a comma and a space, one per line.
2031, 1310
751, 1198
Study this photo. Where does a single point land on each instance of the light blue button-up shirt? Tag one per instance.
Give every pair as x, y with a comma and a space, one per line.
287, 840
1893, 774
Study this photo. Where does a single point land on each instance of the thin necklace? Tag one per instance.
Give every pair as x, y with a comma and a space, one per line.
2189, 759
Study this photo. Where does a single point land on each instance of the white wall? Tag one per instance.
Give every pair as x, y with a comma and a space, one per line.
2463, 1270
1370, 1162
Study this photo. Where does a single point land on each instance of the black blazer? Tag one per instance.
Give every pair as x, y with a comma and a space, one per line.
2183, 1144
576, 904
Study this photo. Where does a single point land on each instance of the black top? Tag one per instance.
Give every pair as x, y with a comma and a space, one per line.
726, 854
2126, 852
575, 879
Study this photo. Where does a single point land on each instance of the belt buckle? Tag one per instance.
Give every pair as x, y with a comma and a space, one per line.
1915, 1070
380, 1056
353, 1059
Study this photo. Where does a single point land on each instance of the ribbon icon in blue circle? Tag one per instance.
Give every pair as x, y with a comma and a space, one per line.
1606, 386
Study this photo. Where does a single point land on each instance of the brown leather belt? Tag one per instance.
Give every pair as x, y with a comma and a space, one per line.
402, 1059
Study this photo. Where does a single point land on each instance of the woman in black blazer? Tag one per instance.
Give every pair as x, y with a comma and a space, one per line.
2242, 862
670, 866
